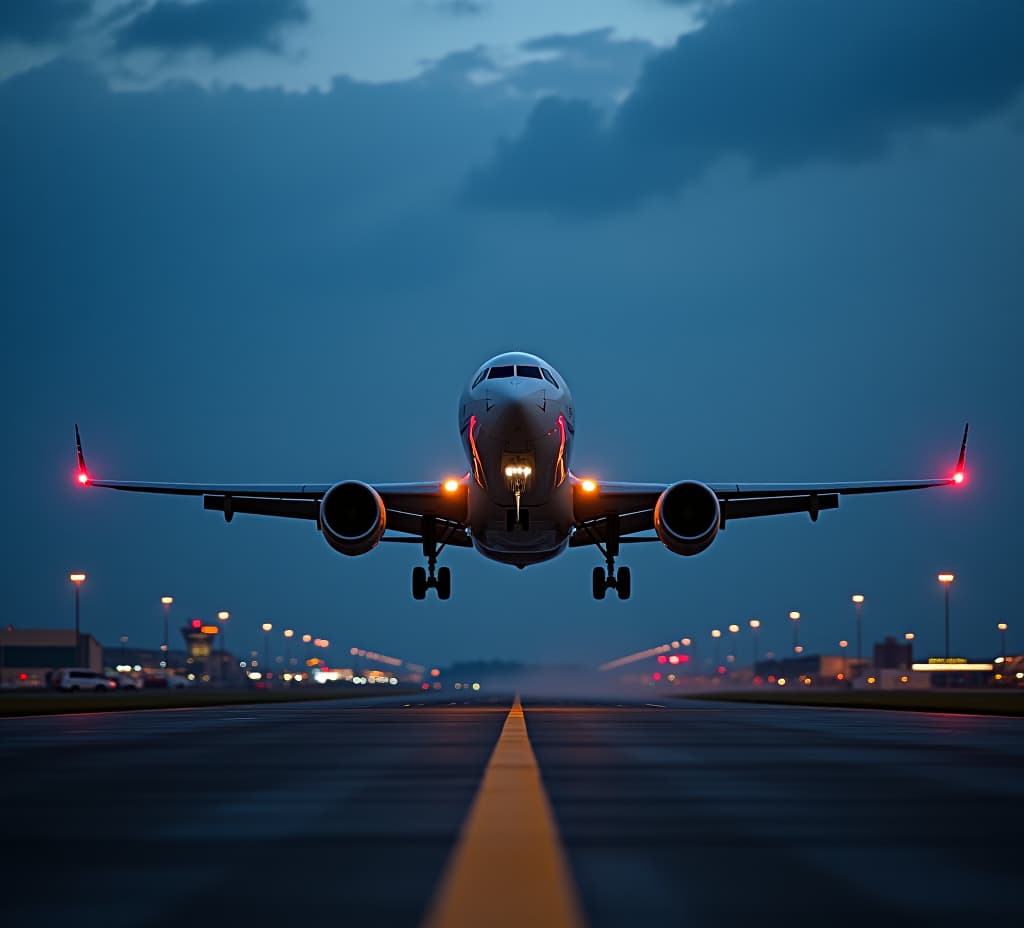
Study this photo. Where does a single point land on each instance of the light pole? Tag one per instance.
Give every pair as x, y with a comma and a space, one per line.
733, 630
77, 579
166, 602
858, 601
716, 634
267, 628
222, 617
1002, 640
288, 634
795, 616
909, 639
844, 644
946, 580
124, 641
686, 642
755, 624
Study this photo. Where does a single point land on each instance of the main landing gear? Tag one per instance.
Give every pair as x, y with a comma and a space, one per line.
424, 579
607, 577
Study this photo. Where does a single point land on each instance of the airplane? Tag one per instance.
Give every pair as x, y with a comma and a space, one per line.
519, 503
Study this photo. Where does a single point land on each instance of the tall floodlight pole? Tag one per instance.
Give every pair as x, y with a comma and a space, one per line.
222, 617
166, 603
267, 628
795, 616
858, 602
716, 634
755, 624
946, 580
77, 579
1002, 640
733, 631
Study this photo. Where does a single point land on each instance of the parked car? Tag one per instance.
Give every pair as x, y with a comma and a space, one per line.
124, 681
71, 679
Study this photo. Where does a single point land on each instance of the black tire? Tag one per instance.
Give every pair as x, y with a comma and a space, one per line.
100, 689
623, 583
444, 583
598, 583
419, 583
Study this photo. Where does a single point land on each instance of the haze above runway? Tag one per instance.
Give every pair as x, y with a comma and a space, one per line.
680, 812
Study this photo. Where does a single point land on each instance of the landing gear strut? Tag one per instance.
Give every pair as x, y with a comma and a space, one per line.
427, 579
607, 577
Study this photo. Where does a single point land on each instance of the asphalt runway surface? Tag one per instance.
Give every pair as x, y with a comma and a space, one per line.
392, 813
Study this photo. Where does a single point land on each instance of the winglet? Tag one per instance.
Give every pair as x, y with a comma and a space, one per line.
960, 473
83, 471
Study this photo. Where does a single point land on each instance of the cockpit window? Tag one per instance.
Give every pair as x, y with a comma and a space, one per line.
502, 370
528, 370
479, 377
547, 376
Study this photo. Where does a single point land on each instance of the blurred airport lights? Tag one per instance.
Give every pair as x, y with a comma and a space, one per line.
165, 601
946, 580
858, 602
77, 579
289, 633
733, 631
755, 624
795, 616
1002, 639
844, 644
716, 634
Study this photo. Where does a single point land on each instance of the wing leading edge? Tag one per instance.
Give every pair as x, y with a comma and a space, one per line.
633, 503
406, 503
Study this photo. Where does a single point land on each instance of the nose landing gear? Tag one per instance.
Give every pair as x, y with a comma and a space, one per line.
607, 577
427, 579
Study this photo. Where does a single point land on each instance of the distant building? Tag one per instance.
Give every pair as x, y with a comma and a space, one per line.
27, 655
891, 654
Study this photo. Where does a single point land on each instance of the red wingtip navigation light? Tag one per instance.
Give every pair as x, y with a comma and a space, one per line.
958, 477
83, 477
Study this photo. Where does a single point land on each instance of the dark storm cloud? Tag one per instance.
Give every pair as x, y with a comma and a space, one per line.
776, 82
39, 21
221, 27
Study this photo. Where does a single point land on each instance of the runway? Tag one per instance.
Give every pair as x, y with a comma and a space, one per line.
393, 812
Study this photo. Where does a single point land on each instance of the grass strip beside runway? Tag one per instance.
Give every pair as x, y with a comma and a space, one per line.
43, 702
972, 702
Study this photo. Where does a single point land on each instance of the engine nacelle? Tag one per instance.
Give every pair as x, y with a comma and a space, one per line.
686, 517
352, 517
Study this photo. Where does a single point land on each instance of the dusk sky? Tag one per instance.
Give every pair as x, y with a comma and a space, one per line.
257, 241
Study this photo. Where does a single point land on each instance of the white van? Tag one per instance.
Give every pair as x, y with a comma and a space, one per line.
70, 679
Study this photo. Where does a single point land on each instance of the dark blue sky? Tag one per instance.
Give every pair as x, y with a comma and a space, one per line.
792, 253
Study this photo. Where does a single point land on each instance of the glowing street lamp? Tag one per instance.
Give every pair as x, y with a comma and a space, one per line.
946, 580
858, 601
716, 634
77, 579
755, 624
795, 616
844, 644
1002, 640
289, 633
166, 602
733, 630
222, 617
268, 628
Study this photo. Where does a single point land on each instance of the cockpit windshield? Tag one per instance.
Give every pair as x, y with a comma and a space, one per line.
528, 370
502, 370
514, 370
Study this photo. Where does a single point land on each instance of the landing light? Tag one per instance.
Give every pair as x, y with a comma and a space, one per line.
588, 486
451, 486
518, 471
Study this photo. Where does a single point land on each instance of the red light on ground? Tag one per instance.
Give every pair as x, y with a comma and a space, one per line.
655, 675
958, 477
426, 686
197, 623
684, 658
721, 669
83, 477
662, 659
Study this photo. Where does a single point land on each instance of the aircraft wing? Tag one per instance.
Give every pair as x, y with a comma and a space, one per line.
406, 503
633, 503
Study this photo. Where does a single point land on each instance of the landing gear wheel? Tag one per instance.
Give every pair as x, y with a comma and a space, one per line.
598, 583
444, 583
419, 583
623, 583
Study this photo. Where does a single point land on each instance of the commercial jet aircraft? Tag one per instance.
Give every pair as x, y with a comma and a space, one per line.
520, 502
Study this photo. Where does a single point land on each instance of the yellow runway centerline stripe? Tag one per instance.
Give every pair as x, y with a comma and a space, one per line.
508, 867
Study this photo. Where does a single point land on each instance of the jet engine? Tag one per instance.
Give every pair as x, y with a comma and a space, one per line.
686, 517
352, 517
